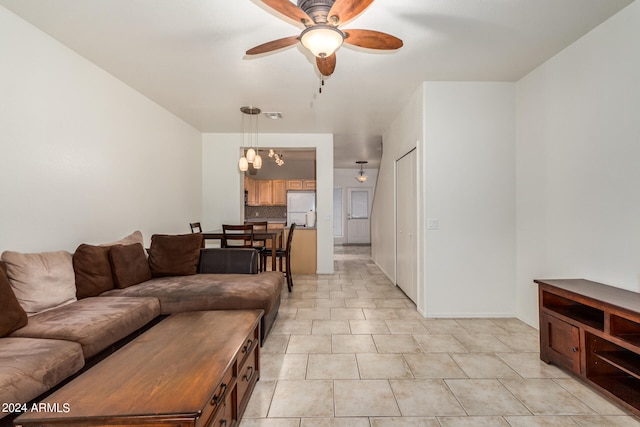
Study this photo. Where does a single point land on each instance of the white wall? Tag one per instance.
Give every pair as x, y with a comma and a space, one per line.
84, 158
470, 188
345, 179
465, 136
578, 158
405, 133
223, 183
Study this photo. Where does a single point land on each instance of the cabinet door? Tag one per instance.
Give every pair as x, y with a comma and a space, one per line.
308, 184
279, 192
559, 342
252, 194
294, 184
265, 192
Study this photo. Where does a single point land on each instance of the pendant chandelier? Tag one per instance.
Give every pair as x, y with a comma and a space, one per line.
250, 139
361, 176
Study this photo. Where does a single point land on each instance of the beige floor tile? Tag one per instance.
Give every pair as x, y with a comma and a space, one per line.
369, 327
482, 343
270, 422
443, 326
309, 344
485, 397
296, 303
335, 422
434, 365
513, 325
302, 398
349, 293
542, 421
275, 344
405, 422
292, 326
519, 342
439, 344
391, 303
529, 365
425, 398
480, 326
283, 366
406, 327
473, 422
380, 313
330, 303
260, 401
383, 366
588, 396
545, 397
313, 313
396, 344
352, 344
360, 303
371, 398
328, 327
407, 313
347, 314
484, 365
332, 367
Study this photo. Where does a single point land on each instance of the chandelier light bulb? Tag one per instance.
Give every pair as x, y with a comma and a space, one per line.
243, 164
251, 155
257, 162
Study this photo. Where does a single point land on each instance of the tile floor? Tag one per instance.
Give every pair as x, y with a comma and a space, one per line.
349, 349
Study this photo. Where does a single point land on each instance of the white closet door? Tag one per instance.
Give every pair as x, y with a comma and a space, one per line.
406, 225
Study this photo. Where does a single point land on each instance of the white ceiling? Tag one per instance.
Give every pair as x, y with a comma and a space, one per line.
188, 56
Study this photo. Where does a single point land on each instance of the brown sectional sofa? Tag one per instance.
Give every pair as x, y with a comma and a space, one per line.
41, 351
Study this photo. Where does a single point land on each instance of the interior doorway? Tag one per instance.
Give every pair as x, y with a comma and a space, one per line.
406, 225
358, 222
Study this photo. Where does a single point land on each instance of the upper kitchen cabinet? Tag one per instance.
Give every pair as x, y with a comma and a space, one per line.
265, 192
279, 192
301, 184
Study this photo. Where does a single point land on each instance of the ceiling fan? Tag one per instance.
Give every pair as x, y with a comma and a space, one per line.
321, 35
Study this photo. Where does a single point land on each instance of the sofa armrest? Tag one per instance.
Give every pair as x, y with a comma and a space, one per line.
228, 261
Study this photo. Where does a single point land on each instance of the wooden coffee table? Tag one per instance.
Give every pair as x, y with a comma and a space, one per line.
192, 369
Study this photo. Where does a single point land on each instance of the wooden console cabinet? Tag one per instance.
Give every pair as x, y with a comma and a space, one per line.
593, 331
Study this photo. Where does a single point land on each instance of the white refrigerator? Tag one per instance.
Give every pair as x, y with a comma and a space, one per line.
299, 203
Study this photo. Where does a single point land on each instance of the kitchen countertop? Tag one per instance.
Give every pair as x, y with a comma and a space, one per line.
258, 219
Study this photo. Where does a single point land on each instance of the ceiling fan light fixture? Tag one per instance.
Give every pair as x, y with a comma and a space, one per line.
322, 40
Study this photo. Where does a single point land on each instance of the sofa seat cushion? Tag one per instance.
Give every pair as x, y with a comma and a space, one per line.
94, 322
31, 366
210, 291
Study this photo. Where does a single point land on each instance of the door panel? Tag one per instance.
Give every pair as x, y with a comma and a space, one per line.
358, 225
406, 225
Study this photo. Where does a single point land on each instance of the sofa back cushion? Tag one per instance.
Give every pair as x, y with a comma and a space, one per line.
174, 255
135, 237
12, 315
129, 265
41, 281
92, 270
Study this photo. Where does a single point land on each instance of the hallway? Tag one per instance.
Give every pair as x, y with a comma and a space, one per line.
349, 349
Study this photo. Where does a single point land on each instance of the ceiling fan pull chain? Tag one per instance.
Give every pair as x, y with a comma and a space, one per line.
321, 84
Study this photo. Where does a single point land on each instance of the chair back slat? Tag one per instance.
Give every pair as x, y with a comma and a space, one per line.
195, 227
238, 236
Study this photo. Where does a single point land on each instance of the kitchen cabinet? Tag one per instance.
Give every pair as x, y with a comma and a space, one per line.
301, 184
279, 192
251, 189
303, 250
265, 192
308, 184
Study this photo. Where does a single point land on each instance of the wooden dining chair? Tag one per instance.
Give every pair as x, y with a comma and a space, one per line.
237, 236
284, 254
195, 227
260, 244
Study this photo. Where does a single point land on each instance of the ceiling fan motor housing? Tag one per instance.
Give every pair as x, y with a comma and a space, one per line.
316, 9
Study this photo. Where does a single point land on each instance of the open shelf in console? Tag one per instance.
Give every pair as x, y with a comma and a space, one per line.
625, 329
572, 309
613, 368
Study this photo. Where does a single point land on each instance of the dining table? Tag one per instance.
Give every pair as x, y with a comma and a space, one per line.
274, 235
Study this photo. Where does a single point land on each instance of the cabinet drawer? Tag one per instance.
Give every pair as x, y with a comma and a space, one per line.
248, 374
223, 390
561, 343
224, 416
252, 340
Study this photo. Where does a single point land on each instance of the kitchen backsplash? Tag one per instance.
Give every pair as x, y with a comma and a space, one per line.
265, 212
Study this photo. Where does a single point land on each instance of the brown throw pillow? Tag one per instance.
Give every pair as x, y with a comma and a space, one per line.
129, 265
174, 255
93, 270
12, 315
